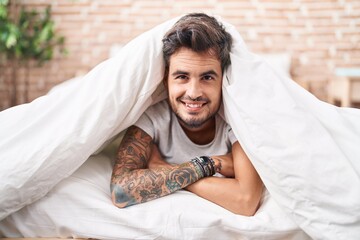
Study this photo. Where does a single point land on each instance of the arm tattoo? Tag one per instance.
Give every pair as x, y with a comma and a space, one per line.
133, 183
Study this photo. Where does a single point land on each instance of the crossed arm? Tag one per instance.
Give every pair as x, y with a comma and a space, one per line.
140, 175
132, 182
241, 194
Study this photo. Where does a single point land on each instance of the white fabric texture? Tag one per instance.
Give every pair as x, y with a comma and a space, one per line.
80, 207
46, 140
305, 151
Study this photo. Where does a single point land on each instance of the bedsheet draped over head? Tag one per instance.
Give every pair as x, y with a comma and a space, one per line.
46, 140
306, 151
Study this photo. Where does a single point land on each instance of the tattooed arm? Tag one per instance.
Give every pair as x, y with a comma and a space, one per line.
132, 182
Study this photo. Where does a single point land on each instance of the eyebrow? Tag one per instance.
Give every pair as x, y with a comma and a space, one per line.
180, 72
210, 72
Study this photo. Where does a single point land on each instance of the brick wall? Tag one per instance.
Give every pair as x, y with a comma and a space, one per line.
320, 35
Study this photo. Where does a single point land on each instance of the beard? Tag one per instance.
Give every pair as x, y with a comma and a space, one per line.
193, 121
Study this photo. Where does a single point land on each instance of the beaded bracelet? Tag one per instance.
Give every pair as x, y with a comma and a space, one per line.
206, 164
210, 164
199, 169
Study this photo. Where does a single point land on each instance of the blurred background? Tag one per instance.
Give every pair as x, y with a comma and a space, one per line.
45, 42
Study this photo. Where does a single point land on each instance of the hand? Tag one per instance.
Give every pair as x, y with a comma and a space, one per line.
226, 163
156, 160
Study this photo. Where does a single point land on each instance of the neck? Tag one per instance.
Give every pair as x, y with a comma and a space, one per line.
203, 134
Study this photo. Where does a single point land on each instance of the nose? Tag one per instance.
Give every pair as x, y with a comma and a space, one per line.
194, 89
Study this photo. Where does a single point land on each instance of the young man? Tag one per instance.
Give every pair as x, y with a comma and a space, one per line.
158, 155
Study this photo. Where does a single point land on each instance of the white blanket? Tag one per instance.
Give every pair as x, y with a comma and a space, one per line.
80, 207
306, 151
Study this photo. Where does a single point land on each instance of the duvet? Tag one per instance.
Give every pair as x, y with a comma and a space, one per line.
54, 175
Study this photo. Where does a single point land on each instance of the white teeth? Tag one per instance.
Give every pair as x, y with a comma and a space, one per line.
193, 105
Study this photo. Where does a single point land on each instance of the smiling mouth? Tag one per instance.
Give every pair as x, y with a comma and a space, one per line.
194, 106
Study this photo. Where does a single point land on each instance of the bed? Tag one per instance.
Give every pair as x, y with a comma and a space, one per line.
80, 207
56, 156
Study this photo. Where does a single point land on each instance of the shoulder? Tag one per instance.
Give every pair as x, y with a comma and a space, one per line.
155, 119
156, 114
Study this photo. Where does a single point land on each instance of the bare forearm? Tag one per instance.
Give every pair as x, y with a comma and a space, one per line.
229, 193
142, 185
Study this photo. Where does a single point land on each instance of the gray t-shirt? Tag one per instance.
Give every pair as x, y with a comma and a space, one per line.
161, 123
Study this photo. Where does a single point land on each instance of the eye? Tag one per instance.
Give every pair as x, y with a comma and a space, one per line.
208, 77
181, 77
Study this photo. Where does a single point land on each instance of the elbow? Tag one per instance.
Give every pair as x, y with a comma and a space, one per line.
247, 205
119, 198
116, 202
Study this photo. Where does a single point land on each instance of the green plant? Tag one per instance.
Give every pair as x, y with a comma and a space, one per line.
26, 37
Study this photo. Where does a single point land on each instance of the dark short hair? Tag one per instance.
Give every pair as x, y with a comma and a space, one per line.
200, 33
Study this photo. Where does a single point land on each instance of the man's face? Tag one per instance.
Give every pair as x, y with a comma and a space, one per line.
194, 86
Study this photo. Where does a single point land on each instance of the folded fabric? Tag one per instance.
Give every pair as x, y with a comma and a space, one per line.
80, 207
46, 140
305, 151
